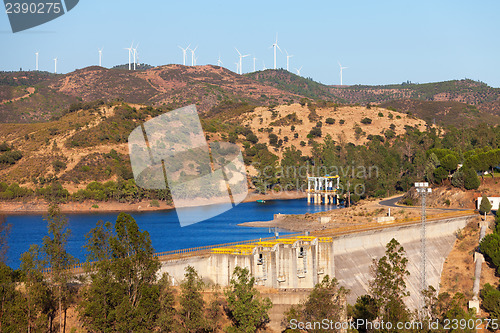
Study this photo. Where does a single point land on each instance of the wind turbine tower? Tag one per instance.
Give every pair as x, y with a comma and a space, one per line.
237, 67
219, 62
241, 57
254, 63
275, 46
100, 57
192, 56
55, 65
129, 55
341, 68
36, 64
288, 56
135, 54
184, 57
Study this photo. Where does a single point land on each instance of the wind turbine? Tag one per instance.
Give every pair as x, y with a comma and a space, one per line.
55, 65
341, 68
219, 62
184, 54
129, 55
100, 56
36, 66
254, 63
135, 54
263, 65
298, 70
192, 55
274, 46
288, 56
241, 57
237, 67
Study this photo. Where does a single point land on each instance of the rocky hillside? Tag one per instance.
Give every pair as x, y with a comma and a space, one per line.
39, 96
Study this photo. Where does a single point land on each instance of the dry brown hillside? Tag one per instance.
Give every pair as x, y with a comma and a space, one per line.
281, 119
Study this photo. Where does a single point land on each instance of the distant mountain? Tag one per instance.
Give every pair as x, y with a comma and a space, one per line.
170, 86
39, 96
449, 102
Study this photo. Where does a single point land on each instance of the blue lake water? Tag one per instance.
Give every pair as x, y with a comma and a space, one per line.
163, 227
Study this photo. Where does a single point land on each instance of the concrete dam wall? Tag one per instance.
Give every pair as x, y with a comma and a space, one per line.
301, 262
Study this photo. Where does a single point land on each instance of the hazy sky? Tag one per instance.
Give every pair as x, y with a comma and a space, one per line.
381, 42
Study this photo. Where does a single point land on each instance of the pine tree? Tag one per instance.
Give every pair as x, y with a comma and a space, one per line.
40, 307
60, 261
485, 206
123, 294
192, 305
388, 287
167, 321
326, 301
247, 311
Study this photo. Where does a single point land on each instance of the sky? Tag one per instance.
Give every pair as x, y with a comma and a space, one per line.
381, 42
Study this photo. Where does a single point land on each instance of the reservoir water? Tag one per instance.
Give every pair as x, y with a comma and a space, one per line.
163, 227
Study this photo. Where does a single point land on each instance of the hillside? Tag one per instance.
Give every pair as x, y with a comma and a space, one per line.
172, 86
90, 144
447, 103
41, 96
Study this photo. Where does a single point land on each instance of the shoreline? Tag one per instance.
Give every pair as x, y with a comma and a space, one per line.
40, 206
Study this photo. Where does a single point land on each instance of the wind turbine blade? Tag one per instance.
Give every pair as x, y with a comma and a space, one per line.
237, 51
278, 47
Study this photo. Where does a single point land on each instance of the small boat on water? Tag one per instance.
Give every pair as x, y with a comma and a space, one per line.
261, 201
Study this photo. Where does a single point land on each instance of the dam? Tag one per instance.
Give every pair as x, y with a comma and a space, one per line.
298, 262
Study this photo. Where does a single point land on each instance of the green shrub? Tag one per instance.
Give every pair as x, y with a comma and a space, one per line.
315, 132
10, 157
366, 121
330, 121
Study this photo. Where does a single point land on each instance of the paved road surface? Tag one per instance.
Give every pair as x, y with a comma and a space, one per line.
392, 203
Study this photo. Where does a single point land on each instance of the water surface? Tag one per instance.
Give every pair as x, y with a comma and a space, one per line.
163, 227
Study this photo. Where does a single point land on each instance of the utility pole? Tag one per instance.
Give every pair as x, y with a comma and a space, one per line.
422, 190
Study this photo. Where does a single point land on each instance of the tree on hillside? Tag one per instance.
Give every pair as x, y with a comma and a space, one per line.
491, 300
290, 164
59, 260
326, 301
4, 235
431, 164
247, 311
485, 206
471, 180
12, 303
167, 321
40, 303
490, 247
449, 163
492, 160
122, 267
388, 288
440, 174
192, 305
